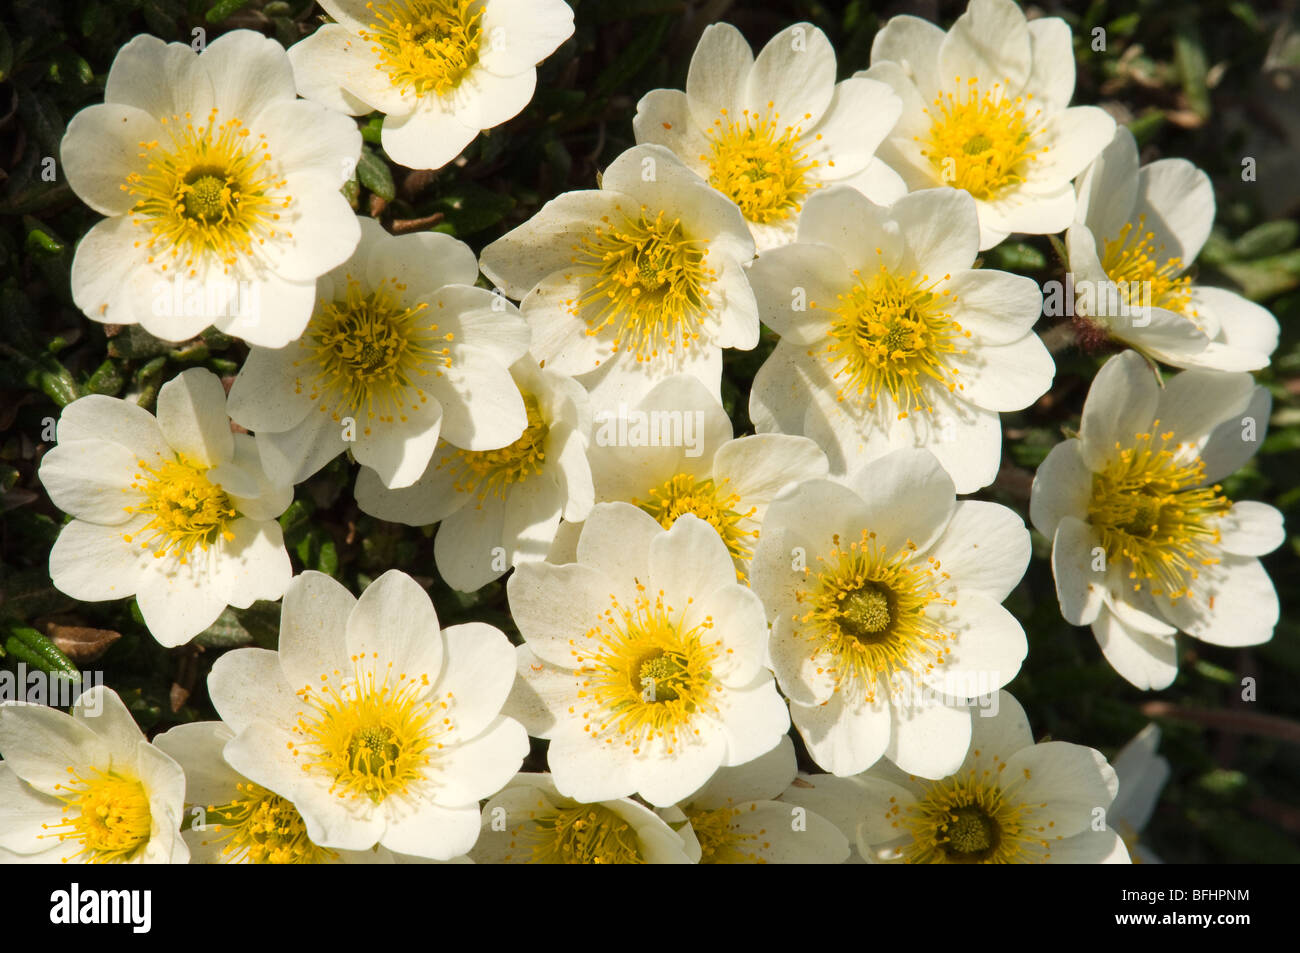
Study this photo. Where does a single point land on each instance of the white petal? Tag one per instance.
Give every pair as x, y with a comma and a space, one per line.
192, 416
312, 626
1251, 529
985, 548
1147, 660
394, 624
1121, 403
1079, 584
929, 740
844, 737
793, 75
1062, 487
719, 72
478, 671
1005, 377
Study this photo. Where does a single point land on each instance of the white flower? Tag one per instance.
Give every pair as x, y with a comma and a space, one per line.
234, 820
673, 454
376, 725
643, 662
889, 337
530, 822
1136, 233
1009, 802
401, 350
634, 282
985, 110
737, 819
221, 190
767, 132
442, 70
174, 510
1142, 776
86, 787
499, 508
884, 602
1143, 541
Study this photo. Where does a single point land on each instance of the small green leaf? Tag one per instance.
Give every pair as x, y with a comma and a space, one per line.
375, 175
224, 8
226, 633
296, 515
106, 380
1270, 238
29, 646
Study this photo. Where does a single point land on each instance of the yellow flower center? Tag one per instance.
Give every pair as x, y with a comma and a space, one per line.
373, 737
426, 45
1141, 272
649, 677
188, 509
1151, 511
721, 841
970, 819
208, 193
647, 280
982, 142
711, 502
586, 834
760, 165
869, 611
367, 353
107, 813
493, 472
260, 827
891, 333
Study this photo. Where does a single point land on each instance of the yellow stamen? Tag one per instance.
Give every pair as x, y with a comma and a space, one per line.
982, 142
711, 502
108, 813
1154, 516
372, 736
1141, 272
209, 193
188, 509
892, 333
868, 610
493, 472
649, 677
260, 827
368, 354
971, 819
647, 280
760, 165
586, 834
426, 46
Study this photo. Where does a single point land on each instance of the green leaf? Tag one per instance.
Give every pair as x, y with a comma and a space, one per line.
42, 119
226, 633
297, 514
106, 380
29, 646
327, 561
1189, 57
375, 175
55, 381
135, 343
1270, 238
473, 208
224, 8
1016, 256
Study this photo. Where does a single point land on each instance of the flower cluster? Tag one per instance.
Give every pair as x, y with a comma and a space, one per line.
686, 604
